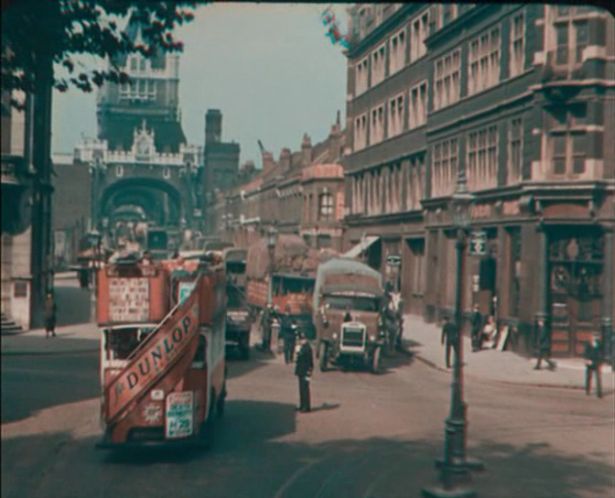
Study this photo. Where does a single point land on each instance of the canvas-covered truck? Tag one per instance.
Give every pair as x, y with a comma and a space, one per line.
162, 367
238, 321
347, 313
288, 280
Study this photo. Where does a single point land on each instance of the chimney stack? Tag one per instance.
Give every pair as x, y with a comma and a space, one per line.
285, 159
306, 150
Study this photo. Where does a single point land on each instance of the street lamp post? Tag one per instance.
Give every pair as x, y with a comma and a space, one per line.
455, 467
272, 238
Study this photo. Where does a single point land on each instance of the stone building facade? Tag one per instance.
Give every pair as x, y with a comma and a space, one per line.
301, 193
521, 98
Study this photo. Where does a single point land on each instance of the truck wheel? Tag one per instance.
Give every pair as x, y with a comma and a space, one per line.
376, 360
221, 402
208, 427
322, 355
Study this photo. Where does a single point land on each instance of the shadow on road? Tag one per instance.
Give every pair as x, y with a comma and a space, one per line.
237, 367
248, 460
34, 382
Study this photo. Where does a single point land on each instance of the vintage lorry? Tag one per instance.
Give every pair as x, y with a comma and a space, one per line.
286, 282
238, 320
348, 298
162, 363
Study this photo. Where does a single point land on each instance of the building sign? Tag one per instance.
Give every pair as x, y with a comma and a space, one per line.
177, 337
510, 208
478, 243
128, 299
480, 211
179, 415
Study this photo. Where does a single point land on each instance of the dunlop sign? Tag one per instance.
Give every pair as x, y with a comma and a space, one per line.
128, 299
154, 360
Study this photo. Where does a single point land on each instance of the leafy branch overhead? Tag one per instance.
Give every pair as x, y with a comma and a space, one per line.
36, 35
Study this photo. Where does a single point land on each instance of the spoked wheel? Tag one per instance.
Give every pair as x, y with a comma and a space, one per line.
323, 354
376, 361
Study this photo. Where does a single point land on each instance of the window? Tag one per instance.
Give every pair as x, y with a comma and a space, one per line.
362, 76
444, 167
515, 150
419, 30
482, 165
416, 169
517, 45
449, 13
396, 115
325, 206
571, 34
133, 63
484, 61
447, 82
360, 132
378, 61
418, 105
567, 139
398, 51
377, 125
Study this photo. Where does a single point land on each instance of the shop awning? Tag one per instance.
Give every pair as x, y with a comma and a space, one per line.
361, 247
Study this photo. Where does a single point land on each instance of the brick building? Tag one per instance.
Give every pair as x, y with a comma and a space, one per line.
521, 98
301, 193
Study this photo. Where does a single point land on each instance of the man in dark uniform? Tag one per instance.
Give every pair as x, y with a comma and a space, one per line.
449, 333
303, 371
593, 362
476, 321
50, 315
544, 344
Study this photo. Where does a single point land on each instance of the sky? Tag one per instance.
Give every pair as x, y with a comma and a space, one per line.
269, 68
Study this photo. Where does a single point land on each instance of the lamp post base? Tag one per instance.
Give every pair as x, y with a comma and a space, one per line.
439, 492
469, 463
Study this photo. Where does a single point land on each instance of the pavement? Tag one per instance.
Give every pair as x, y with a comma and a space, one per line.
423, 340
420, 338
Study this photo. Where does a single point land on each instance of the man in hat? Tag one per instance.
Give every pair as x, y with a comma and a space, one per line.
266, 323
476, 321
593, 362
449, 333
303, 370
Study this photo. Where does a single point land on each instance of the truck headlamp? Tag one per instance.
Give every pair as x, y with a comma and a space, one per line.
372, 337
334, 335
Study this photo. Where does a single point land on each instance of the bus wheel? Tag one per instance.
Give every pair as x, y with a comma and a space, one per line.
221, 402
376, 360
323, 356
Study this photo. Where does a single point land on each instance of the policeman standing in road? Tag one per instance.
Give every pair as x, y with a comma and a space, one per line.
593, 362
544, 344
449, 333
303, 371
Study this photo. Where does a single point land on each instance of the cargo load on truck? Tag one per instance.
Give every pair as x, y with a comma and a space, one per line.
162, 350
290, 286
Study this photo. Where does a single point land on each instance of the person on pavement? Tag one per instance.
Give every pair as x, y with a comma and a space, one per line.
449, 334
303, 371
50, 315
490, 332
593, 362
266, 324
544, 345
476, 321
347, 315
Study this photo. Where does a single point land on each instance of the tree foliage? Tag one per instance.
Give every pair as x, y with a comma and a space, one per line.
38, 34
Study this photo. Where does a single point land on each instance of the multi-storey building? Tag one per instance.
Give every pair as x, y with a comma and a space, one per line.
519, 97
301, 193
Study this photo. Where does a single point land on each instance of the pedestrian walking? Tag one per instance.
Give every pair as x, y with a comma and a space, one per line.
593, 362
476, 321
544, 345
303, 371
50, 315
449, 334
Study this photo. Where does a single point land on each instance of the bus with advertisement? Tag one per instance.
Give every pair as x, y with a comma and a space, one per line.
162, 366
